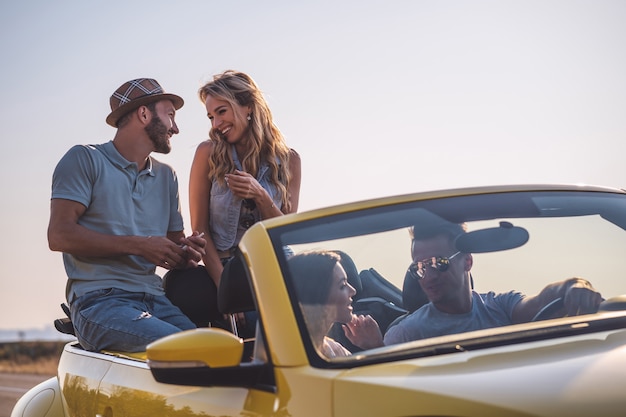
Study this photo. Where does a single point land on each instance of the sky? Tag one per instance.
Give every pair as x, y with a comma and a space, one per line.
378, 97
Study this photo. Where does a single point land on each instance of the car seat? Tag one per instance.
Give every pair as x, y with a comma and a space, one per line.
234, 295
194, 292
352, 273
413, 297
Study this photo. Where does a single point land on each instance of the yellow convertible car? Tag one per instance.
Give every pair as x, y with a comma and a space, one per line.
494, 301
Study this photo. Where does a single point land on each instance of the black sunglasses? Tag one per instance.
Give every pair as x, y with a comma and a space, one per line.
440, 263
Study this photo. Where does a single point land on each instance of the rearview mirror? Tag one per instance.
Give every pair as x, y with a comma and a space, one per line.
494, 239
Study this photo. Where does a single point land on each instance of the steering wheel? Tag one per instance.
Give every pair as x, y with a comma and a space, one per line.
549, 310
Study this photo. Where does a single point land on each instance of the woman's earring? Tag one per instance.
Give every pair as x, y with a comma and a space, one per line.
249, 118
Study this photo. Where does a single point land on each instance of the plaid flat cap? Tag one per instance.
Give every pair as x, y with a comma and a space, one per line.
135, 93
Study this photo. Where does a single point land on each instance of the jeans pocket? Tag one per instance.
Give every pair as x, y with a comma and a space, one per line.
90, 298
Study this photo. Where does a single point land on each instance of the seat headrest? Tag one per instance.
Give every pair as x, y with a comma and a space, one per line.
234, 294
351, 270
413, 297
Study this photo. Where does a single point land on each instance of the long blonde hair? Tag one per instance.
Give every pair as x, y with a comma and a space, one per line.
265, 142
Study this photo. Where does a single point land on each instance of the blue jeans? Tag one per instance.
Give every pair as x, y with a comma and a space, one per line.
117, 320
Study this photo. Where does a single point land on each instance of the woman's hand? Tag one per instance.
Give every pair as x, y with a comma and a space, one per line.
363, 331
244, 185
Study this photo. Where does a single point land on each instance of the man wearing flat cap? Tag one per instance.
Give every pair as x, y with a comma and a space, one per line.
115, 215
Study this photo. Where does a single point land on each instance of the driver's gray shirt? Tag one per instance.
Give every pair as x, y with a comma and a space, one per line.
488, 310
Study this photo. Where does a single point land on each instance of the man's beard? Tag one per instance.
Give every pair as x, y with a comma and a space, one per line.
159, 135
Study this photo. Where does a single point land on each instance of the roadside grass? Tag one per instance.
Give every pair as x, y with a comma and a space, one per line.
30, 357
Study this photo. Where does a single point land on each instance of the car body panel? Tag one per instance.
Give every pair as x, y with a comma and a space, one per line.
510, 371
43, 400
101, 384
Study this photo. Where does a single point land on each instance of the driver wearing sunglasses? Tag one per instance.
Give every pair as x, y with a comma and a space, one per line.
454, 307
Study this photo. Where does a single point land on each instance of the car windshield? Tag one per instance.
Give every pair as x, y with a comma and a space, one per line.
518, 242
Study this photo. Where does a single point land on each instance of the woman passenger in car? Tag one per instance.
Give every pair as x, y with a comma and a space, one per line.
325, 296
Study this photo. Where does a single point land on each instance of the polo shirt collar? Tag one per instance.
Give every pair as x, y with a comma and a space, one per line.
111, 152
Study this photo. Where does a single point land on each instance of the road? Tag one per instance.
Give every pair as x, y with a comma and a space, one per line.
13, 386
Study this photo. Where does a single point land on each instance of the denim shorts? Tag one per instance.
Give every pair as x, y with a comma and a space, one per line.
117, 320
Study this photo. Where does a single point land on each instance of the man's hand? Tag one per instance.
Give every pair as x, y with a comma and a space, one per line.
165, 253
193, 247
581, 298
363, 331
162, 252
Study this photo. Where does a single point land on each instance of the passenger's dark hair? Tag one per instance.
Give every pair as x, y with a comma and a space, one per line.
312, 275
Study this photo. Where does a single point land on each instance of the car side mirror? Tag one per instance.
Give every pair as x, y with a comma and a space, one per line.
212, 347
206, 357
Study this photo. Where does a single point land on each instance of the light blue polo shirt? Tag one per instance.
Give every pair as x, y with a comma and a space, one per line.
488, 310
120, 200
